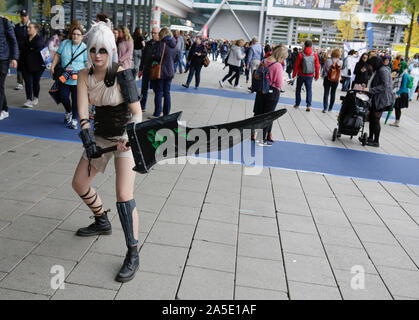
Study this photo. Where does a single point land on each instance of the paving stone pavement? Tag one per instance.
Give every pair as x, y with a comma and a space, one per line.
209, 231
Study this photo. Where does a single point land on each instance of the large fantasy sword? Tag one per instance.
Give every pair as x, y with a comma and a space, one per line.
166, 137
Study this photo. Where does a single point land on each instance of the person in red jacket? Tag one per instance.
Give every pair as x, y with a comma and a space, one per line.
307, 67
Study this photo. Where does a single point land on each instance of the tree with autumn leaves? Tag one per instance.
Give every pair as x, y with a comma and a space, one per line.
410, 8
349, 24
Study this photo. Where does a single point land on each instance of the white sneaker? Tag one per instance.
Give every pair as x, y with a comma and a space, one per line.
237, 87
19, 86
35, 101
68, 116
28, 104
4, 115
221, 84
74, 124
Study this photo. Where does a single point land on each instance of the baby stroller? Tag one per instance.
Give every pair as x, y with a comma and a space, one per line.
353, 114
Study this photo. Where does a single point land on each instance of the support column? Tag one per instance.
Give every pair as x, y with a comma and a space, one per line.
89, 13
30, 8
290, 31
73, 10
139, 15
144, 14
261, 19
124, 13
103, 6
132, 20
150, 6
115, 14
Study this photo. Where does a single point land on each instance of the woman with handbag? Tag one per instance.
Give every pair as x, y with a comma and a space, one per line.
196, 57
381, 88
71, 57
33, 65
162, 72
332, 68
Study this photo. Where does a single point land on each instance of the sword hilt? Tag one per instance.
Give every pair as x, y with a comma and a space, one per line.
106, 150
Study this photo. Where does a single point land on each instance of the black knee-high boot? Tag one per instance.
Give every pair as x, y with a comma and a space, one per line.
132, 260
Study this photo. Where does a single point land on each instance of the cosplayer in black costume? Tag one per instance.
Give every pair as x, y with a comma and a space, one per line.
114, 93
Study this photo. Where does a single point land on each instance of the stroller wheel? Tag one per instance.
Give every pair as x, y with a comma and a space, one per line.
335, 134
364, 139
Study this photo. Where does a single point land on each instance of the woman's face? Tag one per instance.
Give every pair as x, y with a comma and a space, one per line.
32, 30
99, 57
386, 61
198, 41
120, 34
116, 34
77, 36
364, 58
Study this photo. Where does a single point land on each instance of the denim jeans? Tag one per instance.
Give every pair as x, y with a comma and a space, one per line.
137, 60
145, 84
180, 62
65, 91
223, 57
307, 81
197, 71
161, 89
346, 85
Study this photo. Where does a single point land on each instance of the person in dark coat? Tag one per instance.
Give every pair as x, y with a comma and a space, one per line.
9, 52
195, 59
361, 71
145, 65
32, 64
21, 32
161, 87
381, 88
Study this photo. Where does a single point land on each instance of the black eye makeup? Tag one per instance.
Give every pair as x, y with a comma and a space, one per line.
101, 51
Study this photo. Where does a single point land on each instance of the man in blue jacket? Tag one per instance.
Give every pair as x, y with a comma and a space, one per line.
21, 31
255, 55
8, 51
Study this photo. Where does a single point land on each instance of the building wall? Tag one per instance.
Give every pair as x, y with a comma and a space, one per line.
225, 26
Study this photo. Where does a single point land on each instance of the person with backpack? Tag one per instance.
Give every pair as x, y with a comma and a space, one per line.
9, 52
401, 90
267, 83
234, 60
307, 67
255, 55
332, 68
224, 50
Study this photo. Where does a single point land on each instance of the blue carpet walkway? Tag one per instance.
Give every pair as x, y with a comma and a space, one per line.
286, 155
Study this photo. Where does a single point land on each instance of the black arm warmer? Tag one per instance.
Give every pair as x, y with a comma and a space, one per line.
129, 89
89, 141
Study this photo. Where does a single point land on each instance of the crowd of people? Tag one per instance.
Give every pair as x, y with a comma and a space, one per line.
187, 53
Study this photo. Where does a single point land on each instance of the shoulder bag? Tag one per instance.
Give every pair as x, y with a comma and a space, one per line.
155, 73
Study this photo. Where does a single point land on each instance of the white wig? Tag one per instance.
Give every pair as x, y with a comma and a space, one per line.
101, 36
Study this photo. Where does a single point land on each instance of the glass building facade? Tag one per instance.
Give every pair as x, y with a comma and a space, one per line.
131, 13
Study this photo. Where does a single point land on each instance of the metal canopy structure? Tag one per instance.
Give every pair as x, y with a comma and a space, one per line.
228, 4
